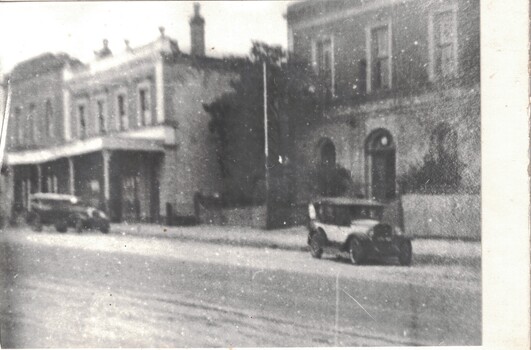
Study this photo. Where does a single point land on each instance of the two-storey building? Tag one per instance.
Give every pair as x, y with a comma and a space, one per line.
126, 132
401, 82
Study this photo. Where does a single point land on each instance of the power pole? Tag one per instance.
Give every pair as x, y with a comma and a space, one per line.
266, 146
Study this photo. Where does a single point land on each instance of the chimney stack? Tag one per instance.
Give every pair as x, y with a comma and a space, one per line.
197, 32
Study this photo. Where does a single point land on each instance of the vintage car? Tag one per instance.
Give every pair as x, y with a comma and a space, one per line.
354, 226
63, 211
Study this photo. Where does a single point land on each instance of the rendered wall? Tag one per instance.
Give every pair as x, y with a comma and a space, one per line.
192, 166
448, 216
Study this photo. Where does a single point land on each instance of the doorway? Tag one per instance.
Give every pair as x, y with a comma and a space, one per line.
381, 165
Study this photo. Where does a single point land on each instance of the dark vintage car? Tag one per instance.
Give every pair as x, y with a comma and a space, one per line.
354, 226
64, 211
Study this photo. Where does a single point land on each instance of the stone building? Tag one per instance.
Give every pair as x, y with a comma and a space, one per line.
400, 97
126, 132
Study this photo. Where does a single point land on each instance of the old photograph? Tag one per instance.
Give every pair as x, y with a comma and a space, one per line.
241, 174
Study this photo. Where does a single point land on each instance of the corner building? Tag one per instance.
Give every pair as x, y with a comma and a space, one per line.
127, 132
401, 81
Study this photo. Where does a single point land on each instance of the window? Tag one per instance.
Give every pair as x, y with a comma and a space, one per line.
82, 120
51, 184
33, 125
323, 60
443, 44
379, 52
144, 104
19, 134
48, 118
101, 108
121, 108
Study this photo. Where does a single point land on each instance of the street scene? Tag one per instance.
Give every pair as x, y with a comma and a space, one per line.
158, 287
241, 174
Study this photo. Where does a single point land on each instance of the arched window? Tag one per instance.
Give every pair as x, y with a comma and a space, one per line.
443, 152
328, 154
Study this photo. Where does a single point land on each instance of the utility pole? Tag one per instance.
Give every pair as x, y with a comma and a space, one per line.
266, 146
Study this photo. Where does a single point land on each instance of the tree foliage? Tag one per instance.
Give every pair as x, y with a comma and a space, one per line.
237, 120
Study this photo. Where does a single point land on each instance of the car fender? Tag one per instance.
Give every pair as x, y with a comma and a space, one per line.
314, 229
362, 237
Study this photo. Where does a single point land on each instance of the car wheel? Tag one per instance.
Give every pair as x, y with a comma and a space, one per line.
78, 226
36, 223
406, 253
104, 228
356, 252
316, 245
61, 226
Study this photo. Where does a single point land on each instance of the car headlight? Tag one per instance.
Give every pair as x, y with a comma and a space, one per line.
398, 231
102, 215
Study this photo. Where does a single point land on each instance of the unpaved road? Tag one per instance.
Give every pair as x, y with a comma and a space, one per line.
96, 290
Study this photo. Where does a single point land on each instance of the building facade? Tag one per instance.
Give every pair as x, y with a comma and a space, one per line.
400, 81
127, 132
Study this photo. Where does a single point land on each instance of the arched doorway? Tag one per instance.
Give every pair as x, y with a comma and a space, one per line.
327, 154
380, 165
326, 165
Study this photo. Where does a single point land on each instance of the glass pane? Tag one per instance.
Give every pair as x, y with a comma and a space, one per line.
444, 25
381, 42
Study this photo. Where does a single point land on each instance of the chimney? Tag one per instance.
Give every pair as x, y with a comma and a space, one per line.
105, 51
197, 32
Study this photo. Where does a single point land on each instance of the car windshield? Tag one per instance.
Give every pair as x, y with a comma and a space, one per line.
365, 212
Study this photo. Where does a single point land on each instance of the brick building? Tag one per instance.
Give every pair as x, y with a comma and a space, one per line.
401, 96
126, 132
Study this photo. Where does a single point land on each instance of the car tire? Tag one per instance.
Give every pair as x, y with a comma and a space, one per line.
36, 223
61, 226
356, 252
78, 226
406, 253
104, 229
316, 244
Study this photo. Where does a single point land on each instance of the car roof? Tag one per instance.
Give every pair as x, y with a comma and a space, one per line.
348, 201
55, 196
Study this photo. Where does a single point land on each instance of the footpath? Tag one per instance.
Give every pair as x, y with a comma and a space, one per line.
428, 251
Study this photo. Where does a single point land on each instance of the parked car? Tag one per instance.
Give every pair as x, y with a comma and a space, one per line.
354, 226
64, 211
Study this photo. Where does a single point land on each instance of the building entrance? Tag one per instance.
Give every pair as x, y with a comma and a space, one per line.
380, 161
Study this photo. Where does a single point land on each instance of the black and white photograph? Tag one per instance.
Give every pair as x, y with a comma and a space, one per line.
229, 174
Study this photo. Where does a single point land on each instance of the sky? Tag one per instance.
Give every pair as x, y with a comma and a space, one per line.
78, 28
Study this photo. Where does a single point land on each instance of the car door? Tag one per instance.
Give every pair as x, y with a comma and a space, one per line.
330, 224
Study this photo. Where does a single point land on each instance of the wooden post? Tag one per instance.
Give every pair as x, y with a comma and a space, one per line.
71, 177
106, 178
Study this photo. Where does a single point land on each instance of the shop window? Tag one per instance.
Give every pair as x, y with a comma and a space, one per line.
51, 184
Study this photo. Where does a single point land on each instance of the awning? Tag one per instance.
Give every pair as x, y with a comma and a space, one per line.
81, 147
